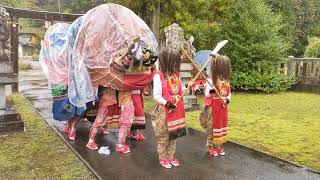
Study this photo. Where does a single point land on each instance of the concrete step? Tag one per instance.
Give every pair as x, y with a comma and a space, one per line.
14, 126
10, 121
8, 116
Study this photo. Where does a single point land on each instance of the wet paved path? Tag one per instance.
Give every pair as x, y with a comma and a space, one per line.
141, 163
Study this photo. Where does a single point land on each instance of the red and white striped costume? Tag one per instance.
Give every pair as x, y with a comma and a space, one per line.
167, 125
219, 111
171, 91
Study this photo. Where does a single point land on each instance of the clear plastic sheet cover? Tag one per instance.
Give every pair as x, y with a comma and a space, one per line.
106, 33
53, 55
80, 90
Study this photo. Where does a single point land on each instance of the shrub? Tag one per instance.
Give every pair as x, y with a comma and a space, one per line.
255, 47
23, 66
35, 57
313, 49
205, 34
269, 83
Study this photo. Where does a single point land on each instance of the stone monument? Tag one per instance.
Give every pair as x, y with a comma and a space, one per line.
174, 38
10, 120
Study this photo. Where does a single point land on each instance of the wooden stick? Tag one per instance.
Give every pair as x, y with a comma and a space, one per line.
214, 52
188, 87
204, 76
196, 77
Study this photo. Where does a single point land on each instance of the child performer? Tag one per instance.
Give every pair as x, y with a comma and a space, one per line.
217, 126
168, 119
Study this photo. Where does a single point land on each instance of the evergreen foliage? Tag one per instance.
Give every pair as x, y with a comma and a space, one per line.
261, 32
313, 49
255, 47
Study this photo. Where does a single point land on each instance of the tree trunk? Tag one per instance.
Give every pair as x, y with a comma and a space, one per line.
155, 23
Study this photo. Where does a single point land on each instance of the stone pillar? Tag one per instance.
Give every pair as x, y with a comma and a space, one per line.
2, 100
14, 50
290, 67
10, 120
174, 38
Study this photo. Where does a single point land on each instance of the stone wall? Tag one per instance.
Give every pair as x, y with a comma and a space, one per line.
307, 70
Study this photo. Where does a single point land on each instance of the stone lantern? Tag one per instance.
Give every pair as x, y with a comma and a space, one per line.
9, 119
174, 38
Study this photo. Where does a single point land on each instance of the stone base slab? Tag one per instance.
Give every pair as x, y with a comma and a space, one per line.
191, 103
8, 78
10, 121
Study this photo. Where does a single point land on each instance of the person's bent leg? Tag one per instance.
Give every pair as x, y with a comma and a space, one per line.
100, 121
125, 123
67, 126
72, 127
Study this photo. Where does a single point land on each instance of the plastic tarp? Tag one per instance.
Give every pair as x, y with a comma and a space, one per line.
53, 55
201, 57
80, 89
105, 33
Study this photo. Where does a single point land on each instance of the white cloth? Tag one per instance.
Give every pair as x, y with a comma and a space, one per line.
157, 90
207, 87
137, 91
104, 150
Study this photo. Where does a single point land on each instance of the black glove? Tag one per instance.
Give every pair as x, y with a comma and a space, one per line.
171, 106
227, 101
212, 91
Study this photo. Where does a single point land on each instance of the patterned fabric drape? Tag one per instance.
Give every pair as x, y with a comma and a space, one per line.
53, 55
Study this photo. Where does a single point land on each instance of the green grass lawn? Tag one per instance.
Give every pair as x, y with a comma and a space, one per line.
37, 153
285, 125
